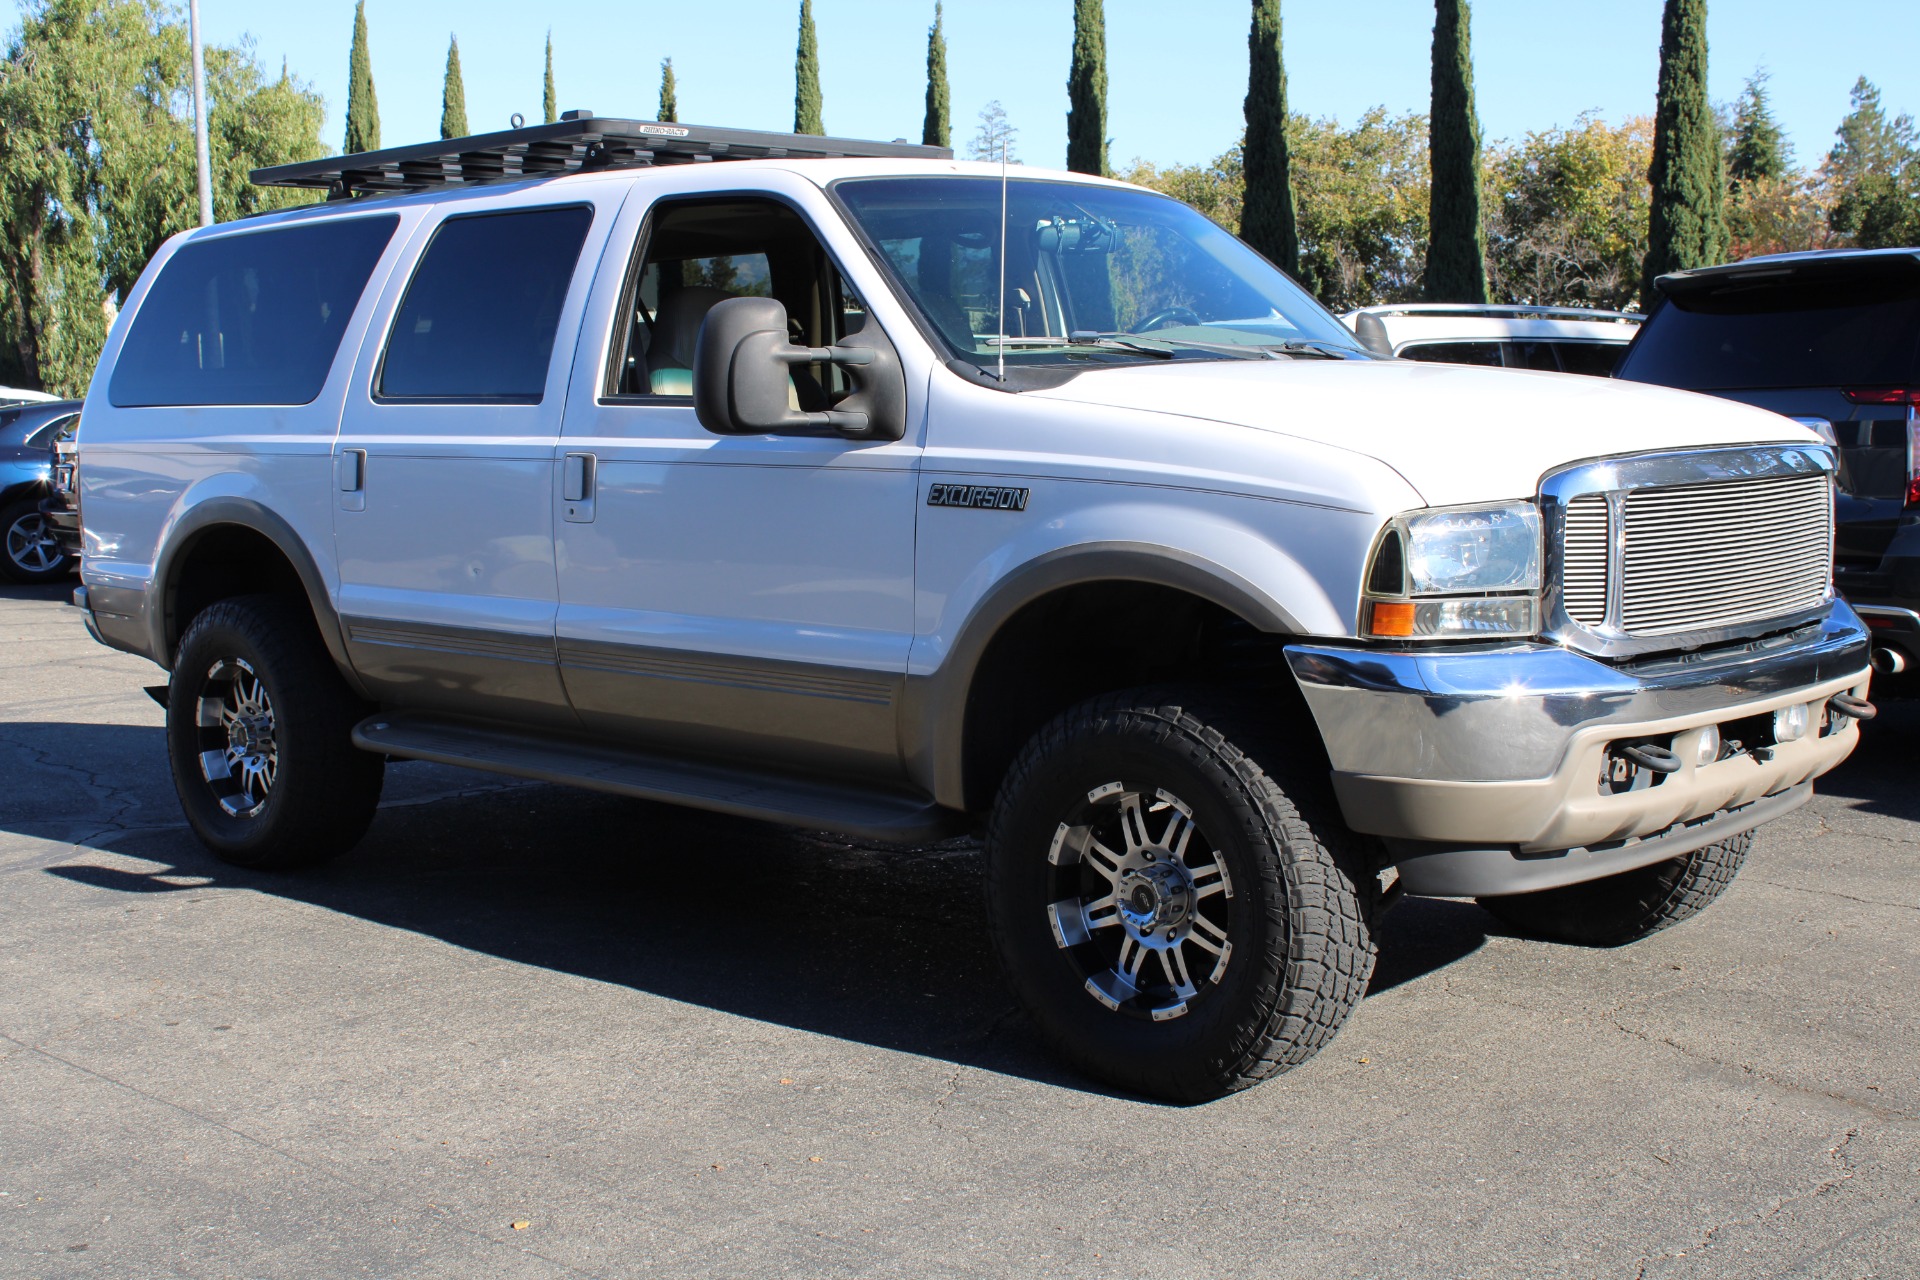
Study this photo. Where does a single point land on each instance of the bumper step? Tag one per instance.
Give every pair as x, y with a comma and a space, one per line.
597, 766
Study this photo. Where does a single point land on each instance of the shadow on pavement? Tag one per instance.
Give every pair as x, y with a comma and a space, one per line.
883, 946
1881, 772
60, 589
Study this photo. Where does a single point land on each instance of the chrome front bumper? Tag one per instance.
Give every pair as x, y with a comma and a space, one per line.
1482, 767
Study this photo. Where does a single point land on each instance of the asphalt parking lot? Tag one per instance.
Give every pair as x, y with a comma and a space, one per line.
523, 1031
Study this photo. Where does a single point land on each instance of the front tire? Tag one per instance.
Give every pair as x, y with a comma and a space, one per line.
259, 734
29, 553
1179, 910
1630, 906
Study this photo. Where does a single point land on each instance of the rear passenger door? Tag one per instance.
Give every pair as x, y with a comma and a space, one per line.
443, 469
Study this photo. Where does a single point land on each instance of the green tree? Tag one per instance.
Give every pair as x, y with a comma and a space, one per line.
1569, 224
1874, 173
363, 108
1758, 150
1686, 223
453, 95
1867, 141
937, 129
669, 94
1268, 219
1457, 251
806, 76
97, 166
549, 99
1087, 90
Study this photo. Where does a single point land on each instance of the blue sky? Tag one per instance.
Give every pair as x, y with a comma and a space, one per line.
1177, 69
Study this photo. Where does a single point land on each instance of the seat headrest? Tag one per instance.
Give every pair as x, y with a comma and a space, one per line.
676, 329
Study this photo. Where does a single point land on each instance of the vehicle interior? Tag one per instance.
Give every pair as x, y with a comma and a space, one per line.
698, 253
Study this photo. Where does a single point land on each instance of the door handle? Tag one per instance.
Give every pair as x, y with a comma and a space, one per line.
350, 478
576, 486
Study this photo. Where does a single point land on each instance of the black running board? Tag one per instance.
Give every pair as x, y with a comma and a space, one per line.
875, 815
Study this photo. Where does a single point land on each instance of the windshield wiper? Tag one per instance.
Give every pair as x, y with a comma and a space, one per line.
1312, 348
1099, 341
1131, 340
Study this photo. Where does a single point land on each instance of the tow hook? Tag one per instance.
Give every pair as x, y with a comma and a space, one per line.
1655, 759
1845, 704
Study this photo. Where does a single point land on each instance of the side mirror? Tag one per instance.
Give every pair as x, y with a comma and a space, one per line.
740, 377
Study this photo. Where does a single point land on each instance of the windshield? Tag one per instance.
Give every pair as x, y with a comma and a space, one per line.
1825, 332
1093, 274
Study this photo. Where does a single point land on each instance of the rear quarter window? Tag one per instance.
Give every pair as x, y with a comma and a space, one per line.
254, 318
1484, 353
481, 312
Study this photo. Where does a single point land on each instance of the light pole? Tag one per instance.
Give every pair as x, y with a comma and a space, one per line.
200, 115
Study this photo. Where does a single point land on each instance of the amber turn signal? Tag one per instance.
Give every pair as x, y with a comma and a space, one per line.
1391, 618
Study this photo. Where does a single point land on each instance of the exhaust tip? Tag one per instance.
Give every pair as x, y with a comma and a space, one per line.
1888, 662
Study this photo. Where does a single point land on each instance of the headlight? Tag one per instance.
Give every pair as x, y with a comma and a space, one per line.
1457, 573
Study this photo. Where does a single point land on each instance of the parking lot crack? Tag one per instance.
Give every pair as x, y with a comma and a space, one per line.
1845, 897
1756, 1073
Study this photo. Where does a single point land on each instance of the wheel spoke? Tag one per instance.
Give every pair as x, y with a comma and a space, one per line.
1212, 879
1133, 824
1208, 935
1174, 961
1101, 859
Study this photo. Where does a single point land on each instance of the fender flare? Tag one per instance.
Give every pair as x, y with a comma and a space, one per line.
253, 516
933, 718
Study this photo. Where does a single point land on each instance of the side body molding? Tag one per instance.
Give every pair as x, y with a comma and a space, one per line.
249, 514
933, 710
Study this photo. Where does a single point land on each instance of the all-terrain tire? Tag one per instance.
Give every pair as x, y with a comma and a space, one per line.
262, 651
27, 552
1297, 919
1630, 906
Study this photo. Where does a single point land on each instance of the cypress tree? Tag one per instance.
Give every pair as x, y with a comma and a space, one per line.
938, 129
1759, 152
669, 95
363, 109
1087, 90
1687, 224
453, 95
806, 76
549, 100
1457, 242
1267, 220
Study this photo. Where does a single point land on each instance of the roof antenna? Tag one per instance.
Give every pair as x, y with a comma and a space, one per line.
1000, 344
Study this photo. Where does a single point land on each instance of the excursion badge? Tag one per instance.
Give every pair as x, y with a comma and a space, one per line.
983, 497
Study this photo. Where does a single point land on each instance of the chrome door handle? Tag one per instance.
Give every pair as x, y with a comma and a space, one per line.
576, 486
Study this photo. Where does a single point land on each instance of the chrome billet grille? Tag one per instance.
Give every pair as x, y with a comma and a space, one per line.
1706, 556
1583, 574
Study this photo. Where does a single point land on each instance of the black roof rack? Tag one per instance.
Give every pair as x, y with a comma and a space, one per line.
579, 140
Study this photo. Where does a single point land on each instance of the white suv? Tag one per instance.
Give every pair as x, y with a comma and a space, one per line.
1544, 339
846, 486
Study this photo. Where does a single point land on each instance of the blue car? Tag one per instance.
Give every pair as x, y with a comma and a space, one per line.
29, 552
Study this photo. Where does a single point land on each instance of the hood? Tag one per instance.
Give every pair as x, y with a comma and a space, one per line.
1457, 434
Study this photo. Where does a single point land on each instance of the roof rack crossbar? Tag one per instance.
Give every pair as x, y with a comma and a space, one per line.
566, 146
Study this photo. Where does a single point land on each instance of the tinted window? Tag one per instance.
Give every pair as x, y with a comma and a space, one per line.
1595, 359
480, 314
45, 436
1455, 353
1858, 330
253, 318
1532, 355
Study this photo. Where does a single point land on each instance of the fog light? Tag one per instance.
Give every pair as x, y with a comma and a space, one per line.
1706, 749
1790, 723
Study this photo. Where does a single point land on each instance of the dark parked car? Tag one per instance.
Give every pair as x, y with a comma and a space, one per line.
28, 550
1832, 339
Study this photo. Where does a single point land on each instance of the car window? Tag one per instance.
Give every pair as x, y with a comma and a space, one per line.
254, 318
1486, 353
1532, 355
45, 436
697, 253
1860, 328
1595, 359
480, 314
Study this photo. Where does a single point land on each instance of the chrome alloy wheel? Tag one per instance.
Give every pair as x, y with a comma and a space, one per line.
31, 546
238, 755
1145, 901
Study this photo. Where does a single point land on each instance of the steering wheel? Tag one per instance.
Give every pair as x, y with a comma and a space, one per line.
1166, 316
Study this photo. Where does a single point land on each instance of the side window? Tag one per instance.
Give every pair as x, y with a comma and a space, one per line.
1596, 359
249, 318
1532, 355
480, 314
58, 429
694, 254
1487, 353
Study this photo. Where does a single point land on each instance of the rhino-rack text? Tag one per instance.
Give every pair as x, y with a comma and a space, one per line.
987, 497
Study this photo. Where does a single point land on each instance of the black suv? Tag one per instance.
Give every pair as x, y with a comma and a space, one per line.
1832, 339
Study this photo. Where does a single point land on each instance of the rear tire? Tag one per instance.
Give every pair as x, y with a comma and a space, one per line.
28, 551
259, 734
1630, 906
1179, 910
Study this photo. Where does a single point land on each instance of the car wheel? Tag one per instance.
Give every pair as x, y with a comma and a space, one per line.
1181, 912
28, 550
1630, 906
259, 733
